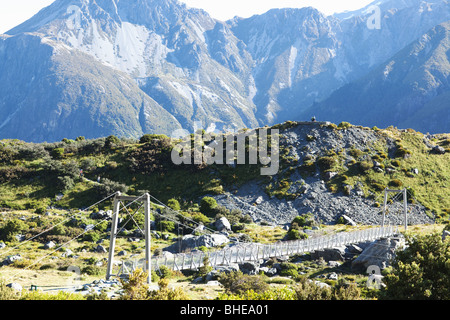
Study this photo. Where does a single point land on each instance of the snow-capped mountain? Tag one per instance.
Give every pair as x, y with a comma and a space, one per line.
302, 56
411, 89
128, 67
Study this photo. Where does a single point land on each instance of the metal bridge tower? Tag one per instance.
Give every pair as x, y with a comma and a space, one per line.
405, 204
118, 200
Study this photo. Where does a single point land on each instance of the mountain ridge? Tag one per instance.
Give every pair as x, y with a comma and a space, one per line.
421, 74
229, 75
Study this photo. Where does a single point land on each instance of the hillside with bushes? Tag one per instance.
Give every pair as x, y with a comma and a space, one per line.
328, 173
348, 160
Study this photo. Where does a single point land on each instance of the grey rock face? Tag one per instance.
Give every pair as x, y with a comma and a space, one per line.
190, 242
49, 245
334, 254
220, 68
380, 253
9, 260
250, 268
223, 224
15, 286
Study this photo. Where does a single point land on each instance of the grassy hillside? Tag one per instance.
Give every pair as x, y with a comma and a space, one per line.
36, 176
41, 187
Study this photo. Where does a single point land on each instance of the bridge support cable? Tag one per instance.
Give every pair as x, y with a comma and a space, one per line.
118, 201
156, 201
56, 225
57, 249
403, 192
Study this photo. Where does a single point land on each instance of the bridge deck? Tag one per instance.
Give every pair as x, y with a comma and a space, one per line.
250, 252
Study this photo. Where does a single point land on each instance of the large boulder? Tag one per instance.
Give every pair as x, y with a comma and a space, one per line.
348, 221
445, 235
100, 249
190, 242
332, 254
15, 286
223, 224
379, 253
438, 150
11, 259
49, 245
250, 268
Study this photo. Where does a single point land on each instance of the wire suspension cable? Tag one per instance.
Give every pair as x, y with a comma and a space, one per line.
74, 238
185, 218
56, 225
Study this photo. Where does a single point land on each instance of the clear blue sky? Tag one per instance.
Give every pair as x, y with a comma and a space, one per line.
14, 12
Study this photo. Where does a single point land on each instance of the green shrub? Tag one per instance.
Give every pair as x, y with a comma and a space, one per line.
378, 186
239, 283
326, 163
111, 142
58, 230
57, 168
88, 164
108, 187
31, 151
296, 234
396, 163
207, 205
174, 204
91, 236
92, 270
65, 183
13, 228
341, 220
395, 183
289, 273
421, 271
45, 296
136, 286
356, 153
57, 153
275, 294
401, 152
147, 138
306, 220
164, 272
167, 226
344, 125
200, 218
365, 166
102, 227
8, 174
205, 269
7, 154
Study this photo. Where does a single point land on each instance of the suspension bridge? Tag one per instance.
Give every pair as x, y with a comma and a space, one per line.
127, 208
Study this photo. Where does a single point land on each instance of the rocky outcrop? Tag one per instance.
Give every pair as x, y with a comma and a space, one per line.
379, 253
191, 242
223, 224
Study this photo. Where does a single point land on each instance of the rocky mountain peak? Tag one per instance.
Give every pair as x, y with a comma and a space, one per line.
262, 70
